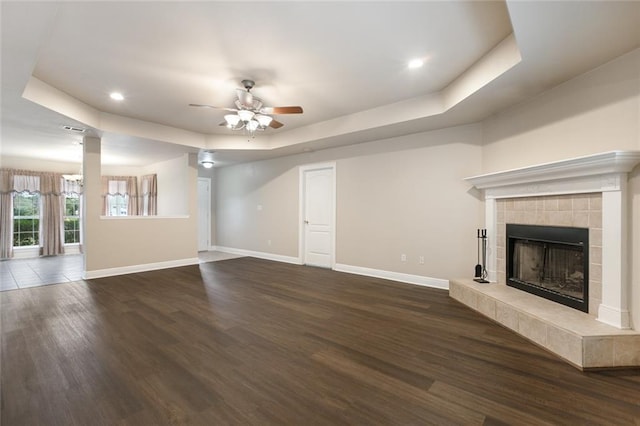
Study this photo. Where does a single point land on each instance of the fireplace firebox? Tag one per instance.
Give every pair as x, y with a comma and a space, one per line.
550, 262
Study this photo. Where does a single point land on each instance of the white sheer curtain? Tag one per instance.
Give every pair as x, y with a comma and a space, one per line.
71, 187
125, 186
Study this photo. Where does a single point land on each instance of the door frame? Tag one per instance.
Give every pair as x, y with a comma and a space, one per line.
208, 181
301, 211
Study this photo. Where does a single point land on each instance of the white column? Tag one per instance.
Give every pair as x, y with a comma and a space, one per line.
492, 231
91, 199
615, 278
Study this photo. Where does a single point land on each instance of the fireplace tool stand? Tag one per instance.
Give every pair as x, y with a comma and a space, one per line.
481, 270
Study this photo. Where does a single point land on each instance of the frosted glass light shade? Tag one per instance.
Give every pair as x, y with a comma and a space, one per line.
264, 120
245, 115
252, 125
232, 119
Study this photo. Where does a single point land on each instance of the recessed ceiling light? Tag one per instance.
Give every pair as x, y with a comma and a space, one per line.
416, 63
116, 96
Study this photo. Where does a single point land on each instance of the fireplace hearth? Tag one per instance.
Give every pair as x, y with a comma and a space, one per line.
550, 262
589, 192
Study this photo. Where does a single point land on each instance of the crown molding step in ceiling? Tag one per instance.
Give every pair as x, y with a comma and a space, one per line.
477, 58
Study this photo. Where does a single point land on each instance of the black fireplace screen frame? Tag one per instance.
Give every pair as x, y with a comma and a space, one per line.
578, 237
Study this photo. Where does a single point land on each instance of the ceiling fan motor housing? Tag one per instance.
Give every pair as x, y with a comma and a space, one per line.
248, 84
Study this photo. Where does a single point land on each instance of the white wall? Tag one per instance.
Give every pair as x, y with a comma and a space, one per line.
596, 112
400, 195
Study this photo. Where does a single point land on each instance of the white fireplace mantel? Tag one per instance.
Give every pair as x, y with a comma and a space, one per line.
548, 174
605, 173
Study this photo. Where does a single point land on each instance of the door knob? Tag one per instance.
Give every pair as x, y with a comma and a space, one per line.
306, 221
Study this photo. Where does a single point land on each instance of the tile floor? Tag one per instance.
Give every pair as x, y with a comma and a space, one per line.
39, 271
34, 272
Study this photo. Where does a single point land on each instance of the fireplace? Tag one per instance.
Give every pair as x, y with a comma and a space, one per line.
550, 262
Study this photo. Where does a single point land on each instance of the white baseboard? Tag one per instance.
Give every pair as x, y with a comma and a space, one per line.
259, 254
32, 252
26, 252
101, 273
358, 270
394, 276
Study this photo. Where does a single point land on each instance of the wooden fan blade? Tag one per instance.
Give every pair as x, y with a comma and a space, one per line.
282, 110
275, 124
212, 107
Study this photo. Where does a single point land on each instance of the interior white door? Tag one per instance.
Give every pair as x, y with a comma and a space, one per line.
204, 213
318, 216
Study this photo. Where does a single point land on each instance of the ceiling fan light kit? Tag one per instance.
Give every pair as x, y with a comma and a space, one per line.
250, 114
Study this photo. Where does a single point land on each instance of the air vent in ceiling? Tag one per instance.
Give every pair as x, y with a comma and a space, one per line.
74, 129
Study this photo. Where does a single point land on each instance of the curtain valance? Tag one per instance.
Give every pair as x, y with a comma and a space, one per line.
44, 183
120, 185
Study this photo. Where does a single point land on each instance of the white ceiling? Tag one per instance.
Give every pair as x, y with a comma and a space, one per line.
343, 62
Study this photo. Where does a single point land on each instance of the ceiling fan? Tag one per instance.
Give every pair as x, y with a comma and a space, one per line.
250, 112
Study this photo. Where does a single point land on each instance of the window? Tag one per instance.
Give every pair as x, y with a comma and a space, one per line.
117, 193
117, 204
71, 219
26, 219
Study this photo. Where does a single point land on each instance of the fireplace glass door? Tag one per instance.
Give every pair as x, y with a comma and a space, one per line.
551, 262
555, 267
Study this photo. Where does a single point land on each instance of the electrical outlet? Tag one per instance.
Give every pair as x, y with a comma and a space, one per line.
268, 242
403, 257
421, 260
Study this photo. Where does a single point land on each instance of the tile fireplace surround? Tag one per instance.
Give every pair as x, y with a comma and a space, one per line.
587, 192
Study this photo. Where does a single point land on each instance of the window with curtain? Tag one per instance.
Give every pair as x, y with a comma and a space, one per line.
33, 211
120, 195
71, 218
26, 219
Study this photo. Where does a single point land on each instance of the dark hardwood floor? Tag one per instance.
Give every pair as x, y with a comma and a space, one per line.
253, 342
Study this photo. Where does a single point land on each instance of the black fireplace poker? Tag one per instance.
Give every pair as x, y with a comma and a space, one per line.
481, 269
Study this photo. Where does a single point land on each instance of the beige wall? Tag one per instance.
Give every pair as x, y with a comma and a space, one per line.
400, 195
112, 243
258, 202
592, 113
38, 165
406, 194
596, 112
172, 179
411, 202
